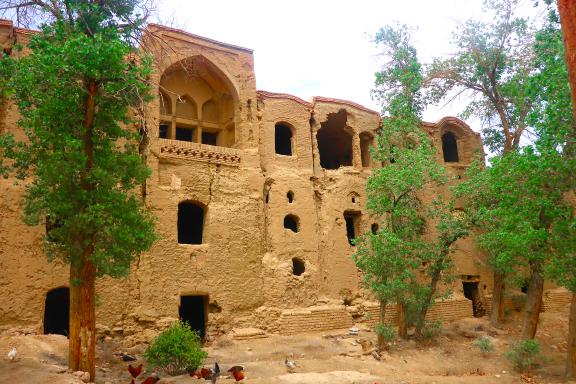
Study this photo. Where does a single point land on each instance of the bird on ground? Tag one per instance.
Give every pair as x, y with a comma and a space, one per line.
290, 363
12, 354
215, 373
135, 371
125, 357
152, 379
238, 372
203, 373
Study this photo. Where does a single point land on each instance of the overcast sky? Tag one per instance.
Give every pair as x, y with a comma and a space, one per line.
321, 47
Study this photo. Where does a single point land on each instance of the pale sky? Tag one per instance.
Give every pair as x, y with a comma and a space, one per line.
323, 47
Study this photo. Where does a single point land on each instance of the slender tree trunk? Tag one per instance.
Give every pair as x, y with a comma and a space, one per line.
82, 342
433, 287
382, 313
402, 326
567, 10
498, 298
571, 360
533, 301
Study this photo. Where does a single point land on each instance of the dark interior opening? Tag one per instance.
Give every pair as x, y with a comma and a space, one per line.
291, 223
374, 228
352, 225
283, 139
163, 130
193, 311
334, 142
449, 147
298, 266
290, 196
184, 134
209, 138
190, 223
472, 293
365, 145
57, 312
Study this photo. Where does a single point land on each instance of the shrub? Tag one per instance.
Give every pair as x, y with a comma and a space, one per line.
386, 331
176, 351
431, 330
525, 355
484, 343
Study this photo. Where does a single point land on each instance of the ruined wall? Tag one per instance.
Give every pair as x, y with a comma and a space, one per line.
214, 148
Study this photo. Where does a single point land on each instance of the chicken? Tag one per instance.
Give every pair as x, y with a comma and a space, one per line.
215, 373
290, 363
135, 371
152, 379
238, 372
12, 354
203, 373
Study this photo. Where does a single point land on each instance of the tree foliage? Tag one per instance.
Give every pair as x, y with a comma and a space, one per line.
415, 239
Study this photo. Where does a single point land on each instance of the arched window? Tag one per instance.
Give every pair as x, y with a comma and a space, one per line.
186, 108
291, 222
298, 266
190, 223
283, 139
449, 148
335, 141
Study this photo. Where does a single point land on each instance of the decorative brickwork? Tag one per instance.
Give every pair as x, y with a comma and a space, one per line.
199, 152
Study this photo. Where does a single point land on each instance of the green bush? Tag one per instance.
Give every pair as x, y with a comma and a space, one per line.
525, 355
386, 331
176, 351
484, 343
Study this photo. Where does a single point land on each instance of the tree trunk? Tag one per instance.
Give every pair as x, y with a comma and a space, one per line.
533, 301
381, 341
402, 327
571, 359
498, 298
82, 341
567, 11
433, 286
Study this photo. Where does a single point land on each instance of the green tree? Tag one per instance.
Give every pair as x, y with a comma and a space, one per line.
393, 258
492, 65
75, 90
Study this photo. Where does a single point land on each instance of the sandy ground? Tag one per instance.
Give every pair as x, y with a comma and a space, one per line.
329, 358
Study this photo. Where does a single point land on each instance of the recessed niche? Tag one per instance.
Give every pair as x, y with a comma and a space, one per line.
291, 222
290, 196
298, 266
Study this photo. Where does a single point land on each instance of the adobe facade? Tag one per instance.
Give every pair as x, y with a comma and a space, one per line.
257, 196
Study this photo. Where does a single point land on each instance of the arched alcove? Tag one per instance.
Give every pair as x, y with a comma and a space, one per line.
335, 141
450, 147
366, 142
205, 103
290, 196
190, 223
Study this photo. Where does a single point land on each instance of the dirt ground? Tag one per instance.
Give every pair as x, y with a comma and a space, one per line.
328, 358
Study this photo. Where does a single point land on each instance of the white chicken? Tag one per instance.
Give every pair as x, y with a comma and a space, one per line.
12, 354
290, 363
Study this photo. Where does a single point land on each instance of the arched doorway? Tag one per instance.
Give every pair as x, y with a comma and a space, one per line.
57, 311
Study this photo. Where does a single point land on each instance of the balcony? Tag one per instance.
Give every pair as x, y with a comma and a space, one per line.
183, 150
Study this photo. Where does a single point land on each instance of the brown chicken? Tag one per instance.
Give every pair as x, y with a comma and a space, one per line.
203, 373
238, 372
152, 379
135, 371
